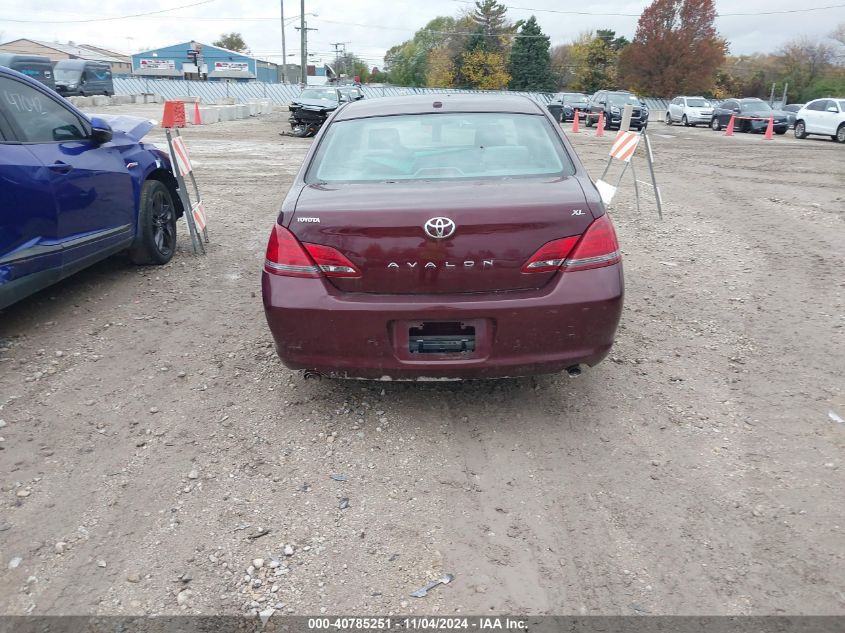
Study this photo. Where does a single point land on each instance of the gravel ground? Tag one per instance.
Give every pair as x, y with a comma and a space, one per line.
157, 458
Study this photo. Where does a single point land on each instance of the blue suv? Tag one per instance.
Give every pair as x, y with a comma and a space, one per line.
74, 190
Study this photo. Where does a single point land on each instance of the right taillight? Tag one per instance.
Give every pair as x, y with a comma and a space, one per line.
288, 257
597, 247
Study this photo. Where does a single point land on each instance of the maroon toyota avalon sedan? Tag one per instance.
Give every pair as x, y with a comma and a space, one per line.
442, 237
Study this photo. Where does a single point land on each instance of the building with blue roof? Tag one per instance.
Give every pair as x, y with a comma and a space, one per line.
194, 60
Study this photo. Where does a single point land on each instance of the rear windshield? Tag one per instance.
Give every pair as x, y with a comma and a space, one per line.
68, 75
621, 100
755, 106
439, 147
574, 98
324, 94
697, 103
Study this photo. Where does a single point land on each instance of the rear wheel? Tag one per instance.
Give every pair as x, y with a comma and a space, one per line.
589, 121
155, 242
840, 134
685, 121
668, 119
715, 124
800, 130
780, 131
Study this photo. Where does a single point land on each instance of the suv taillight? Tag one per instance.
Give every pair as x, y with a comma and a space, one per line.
288, 257
597, 247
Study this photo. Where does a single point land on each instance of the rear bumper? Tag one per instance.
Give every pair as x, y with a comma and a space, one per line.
571, 321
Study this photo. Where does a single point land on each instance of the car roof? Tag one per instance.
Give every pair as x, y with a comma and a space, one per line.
79, 63
22, 57
424, 104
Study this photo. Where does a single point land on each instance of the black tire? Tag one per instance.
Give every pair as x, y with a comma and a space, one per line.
155, 242
780, 131
685, 121
589, 121
840, 134
800, 130
668, 119
715, 124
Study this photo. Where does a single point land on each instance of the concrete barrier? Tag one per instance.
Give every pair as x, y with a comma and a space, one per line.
209, 114
225, 101
225, 112
242, 110
100, 100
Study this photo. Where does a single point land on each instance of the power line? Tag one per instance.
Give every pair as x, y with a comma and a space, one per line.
636, 15
119, 17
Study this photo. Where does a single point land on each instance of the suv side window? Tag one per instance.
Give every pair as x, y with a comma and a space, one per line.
36, 117
730, 105
816, 105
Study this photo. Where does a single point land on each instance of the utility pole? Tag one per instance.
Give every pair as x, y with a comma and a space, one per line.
303, 32
284, 50
303, 36
337, 55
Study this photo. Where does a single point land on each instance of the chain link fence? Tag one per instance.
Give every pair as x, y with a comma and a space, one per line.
282, 94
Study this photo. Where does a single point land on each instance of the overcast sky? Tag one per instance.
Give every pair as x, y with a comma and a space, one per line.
370, 26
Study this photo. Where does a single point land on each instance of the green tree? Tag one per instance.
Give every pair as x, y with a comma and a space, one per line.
492, 28
485, 70
594, 61
407, 63
233, 42
530, 61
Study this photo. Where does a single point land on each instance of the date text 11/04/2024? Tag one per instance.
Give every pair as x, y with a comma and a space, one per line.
419, 623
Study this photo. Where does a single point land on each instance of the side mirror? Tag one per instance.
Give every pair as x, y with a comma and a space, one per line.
736, 110
101, 131
602, 102
832, 109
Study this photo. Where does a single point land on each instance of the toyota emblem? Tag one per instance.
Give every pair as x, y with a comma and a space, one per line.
440, 228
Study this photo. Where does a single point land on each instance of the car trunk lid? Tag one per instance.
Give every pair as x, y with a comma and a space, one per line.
499, 225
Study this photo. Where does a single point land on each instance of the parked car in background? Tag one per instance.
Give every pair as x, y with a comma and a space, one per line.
822, 116
791, 110
752, 115
610, 104
351, 93
75, 190
38, 67
442, 237
689, 111
570, 102
82, 77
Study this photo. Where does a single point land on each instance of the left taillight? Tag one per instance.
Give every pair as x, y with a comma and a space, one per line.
288, 257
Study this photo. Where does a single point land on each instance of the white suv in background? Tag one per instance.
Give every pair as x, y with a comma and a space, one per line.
689, 111
822, 116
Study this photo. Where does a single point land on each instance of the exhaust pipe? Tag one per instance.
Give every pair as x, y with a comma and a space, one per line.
574, 371
311, 374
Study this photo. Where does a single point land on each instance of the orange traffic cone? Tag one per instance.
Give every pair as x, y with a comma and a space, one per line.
600, 128
197, 116
575, 129
729, 131
770, 128
174, 114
